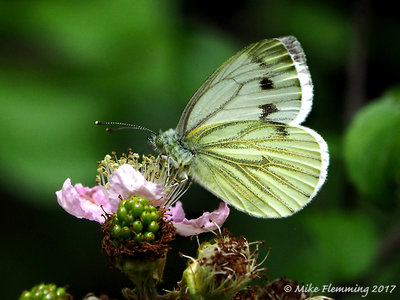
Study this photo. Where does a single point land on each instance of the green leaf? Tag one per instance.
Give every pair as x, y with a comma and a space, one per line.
372, 147
342, 247
47, 135
81, 62
314, 23
98, 33
202, 54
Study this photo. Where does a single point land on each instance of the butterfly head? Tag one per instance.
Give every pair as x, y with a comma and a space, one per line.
156, 142
170, 143
161, 142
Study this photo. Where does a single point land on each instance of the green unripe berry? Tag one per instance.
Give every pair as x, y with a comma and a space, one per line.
122, 203
40, 287
116, 230
121, 213
37, 295
51, 288
149, 236
44, 291
137, 226
153, 227
128, 219
26, 295
138, 238
115, 220
125, 233
61, 293
146, 218
130, 203
137, 209
155, 215
50, 296
144, 201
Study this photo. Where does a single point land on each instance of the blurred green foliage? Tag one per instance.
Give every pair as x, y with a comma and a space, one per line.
372, 147
65, 64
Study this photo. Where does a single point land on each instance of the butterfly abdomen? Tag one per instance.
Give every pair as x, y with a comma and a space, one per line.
170, 143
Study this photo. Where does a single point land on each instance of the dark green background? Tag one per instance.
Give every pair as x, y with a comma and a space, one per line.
65, 64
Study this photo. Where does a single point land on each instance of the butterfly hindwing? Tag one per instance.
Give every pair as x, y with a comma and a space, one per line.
262, 168
268, 80
239, 135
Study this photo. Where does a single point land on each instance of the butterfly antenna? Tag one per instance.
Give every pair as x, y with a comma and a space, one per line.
123, 126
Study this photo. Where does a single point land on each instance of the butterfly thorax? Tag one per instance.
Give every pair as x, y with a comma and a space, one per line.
171, 144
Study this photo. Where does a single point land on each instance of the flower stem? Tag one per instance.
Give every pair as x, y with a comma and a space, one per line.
145, 274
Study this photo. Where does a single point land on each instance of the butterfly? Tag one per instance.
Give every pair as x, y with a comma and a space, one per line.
239, 135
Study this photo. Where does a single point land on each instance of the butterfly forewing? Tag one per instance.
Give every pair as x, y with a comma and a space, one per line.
239, 136
268, 81
265, 169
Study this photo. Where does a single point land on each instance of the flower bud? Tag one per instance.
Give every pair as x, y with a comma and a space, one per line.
223, 267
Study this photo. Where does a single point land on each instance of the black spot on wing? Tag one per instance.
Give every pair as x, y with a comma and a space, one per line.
267, 109
260, 62
282, 130
266, 83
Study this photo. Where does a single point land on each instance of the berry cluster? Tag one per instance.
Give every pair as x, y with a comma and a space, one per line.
136, 220
44, 292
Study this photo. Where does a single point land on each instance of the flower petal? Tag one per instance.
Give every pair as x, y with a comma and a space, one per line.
176, 213
127, 182
68, 199
84, 202
207, 222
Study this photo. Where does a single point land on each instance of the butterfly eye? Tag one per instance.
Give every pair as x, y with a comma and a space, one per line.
156, 141
159, 142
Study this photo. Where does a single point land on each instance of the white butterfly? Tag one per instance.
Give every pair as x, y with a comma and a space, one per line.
239, 135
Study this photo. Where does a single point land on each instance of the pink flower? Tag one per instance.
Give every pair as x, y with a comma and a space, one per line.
124, 182
83, 202
91, 203
127, 182
207, 222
